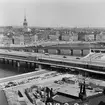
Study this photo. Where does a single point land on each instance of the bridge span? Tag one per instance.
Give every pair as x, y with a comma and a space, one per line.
61, 48
39, 60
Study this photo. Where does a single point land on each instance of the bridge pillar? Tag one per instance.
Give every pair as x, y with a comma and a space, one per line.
18, 64
71, 51
36, 50
43, 51
26, 65
58, 52
40, 67
12, 62
30, 65
81, 52
7, 61
34, 65
3, 61
33, 51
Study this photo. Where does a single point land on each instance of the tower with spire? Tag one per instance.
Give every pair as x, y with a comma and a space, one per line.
25, 24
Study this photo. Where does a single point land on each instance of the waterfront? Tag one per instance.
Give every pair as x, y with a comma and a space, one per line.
5, 71
43, 75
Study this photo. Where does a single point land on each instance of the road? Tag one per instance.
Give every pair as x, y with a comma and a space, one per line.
68, 59
55, 60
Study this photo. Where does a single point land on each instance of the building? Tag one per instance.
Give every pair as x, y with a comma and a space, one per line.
81, 36
81, 97
89, 37
1, 38
34, 38
74, 37
21, 39
18, 39
6, 40
28, 39
53, 37
101, 36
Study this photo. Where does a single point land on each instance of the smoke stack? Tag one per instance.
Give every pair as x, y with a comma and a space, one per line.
82, 94
84, 89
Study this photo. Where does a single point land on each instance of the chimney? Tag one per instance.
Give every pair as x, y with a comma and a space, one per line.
84, 91
82, 94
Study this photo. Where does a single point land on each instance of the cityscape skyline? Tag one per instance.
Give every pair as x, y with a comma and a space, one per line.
53, 13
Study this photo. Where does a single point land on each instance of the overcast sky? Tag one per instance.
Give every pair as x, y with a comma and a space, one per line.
53, 13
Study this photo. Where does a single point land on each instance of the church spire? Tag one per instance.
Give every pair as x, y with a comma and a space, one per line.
25, 15
25, 24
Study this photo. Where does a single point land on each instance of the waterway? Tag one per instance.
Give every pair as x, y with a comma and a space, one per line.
6, 71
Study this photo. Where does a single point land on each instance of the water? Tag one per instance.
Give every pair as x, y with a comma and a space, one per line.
6, 71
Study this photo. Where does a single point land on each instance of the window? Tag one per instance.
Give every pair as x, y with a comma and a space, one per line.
76, 104
66, 104
103, 51
97, 51
49, 103
92, 50
57, 104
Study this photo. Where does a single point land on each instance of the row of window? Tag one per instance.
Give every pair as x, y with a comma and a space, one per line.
98, 51
65, 104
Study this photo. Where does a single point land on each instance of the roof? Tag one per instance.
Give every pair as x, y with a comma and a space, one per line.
73, 91
70, 91
62, 99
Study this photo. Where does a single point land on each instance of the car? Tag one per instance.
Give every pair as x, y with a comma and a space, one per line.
46, 53
64, 56
72, 69
77, 58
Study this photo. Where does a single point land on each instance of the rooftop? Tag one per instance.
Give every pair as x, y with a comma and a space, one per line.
74, 91
62, 99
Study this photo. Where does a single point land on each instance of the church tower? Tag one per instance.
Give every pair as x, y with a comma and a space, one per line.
25, 24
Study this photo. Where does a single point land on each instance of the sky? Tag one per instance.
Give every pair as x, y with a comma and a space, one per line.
53, 13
